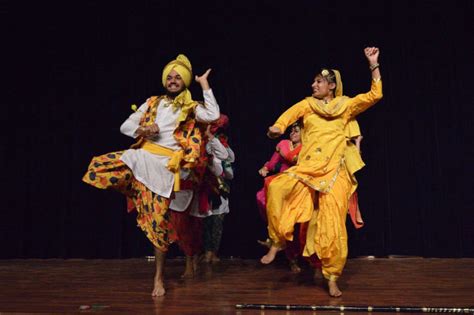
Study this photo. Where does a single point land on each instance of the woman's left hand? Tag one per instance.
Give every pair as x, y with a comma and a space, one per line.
372, 54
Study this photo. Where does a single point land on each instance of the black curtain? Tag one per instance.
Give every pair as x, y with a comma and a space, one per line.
72, 70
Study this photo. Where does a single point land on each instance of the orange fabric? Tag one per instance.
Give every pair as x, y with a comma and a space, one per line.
109, 172
353, 206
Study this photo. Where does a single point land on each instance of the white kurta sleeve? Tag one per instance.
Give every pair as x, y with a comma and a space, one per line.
231, 154
208, 112
216, 148
228, 171
215, 166
130, 126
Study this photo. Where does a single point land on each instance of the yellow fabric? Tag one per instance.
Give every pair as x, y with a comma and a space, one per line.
352, 129
321, 166
352, 156
174, 163
184, 100
107, 171
182, 65
334, 108
324, 140
339, 90
353, 160
295, 205
327, 234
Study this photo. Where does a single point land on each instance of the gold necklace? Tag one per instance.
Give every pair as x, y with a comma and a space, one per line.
168, 102
326, 101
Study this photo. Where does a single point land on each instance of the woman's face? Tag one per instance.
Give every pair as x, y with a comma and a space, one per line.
295, 135
321, 87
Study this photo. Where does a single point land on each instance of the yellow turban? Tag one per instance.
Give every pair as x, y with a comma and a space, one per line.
338, 91
182, 65
184, 100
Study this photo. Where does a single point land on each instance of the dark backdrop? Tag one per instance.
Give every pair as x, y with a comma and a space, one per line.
71, 70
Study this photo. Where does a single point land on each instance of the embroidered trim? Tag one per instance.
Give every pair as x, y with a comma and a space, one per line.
321, 108
301, 179
323, 190
330, 111
333, 180
331, 277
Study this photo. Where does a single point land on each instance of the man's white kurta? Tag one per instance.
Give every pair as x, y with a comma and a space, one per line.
150, 169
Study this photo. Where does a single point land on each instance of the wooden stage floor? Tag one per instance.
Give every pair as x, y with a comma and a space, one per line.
124, 286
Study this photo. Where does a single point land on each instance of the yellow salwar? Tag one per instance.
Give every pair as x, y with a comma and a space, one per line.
327, 234
295, 205
321, 167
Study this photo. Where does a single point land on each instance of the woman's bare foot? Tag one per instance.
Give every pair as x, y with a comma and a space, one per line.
267, 243
334, 289
270, 256
158, 289
294, 266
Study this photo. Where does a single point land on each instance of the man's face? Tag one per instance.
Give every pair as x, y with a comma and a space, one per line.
174, 83
321, 87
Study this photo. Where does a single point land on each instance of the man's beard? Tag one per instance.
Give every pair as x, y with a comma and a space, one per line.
173, 94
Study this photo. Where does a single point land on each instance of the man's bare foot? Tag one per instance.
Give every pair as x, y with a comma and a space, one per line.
318, 274
294, 266
207, 257
267, 243
270, 256
334, 289
196, 263
158, 289
214, 258
188, 273
189, 269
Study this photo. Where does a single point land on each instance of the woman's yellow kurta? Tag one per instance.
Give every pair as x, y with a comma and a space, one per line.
321, 167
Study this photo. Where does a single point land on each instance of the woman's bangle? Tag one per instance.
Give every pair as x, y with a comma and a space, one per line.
374, 66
